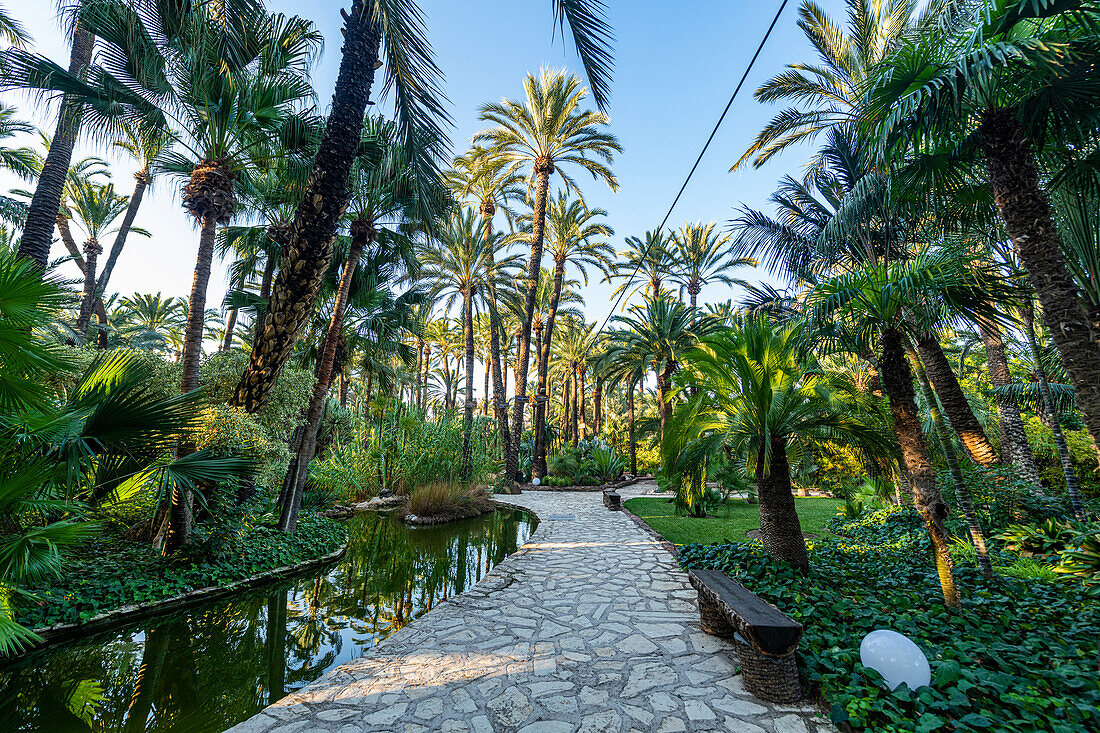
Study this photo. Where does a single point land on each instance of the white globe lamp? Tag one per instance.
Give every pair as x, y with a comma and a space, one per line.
896, 658
536, 481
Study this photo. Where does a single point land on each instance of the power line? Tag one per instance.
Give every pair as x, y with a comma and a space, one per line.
699, 159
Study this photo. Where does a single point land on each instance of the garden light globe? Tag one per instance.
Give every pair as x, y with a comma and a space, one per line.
896, 658
536, 481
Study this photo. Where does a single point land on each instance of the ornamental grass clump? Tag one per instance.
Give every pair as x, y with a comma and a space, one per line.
440, 502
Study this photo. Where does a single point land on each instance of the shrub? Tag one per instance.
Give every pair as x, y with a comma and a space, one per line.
605, 464
1020, 656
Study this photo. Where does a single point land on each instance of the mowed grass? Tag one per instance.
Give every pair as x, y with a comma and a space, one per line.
730, 522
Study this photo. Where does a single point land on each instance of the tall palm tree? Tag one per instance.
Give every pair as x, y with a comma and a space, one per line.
95, 207
650, 257
574, 238
493, 186
145, 146
831, 91
872, 304
659, 332
151, 321
542, 134
759, 395
703, 256
460, 267
1008, 82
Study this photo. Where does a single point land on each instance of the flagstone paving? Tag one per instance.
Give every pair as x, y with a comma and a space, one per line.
590, 627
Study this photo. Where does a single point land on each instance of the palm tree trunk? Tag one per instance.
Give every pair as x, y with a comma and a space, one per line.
563, 420
573, 429
343, 389
1055, 422
362, 234
309, 249
468, 411
87, 300
538, 418
544, 363
486, 364
1014, 437
630, 430
780, 528
1025, 209
597, 399
897, 383
584, 400
500, 372
416, 381
962, 491
141, 181
543, 169
62, 222
37, 236
230, 327
196, 313
664, 384
954, 401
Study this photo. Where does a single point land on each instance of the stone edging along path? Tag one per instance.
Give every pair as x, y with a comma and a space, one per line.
590, 627
59, 633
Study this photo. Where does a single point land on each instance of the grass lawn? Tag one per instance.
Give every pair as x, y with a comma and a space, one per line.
730, 521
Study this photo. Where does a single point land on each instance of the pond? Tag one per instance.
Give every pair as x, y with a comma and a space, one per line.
218, 664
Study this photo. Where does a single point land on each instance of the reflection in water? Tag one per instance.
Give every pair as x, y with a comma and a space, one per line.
218, 664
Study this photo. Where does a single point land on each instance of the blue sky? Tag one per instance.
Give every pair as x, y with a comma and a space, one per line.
676, 64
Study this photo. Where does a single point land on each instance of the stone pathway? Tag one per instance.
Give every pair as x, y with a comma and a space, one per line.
590, 627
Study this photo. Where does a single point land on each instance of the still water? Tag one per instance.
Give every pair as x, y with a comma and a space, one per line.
216, 665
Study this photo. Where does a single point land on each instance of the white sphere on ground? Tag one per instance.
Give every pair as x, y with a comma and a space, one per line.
896, 658
536, 481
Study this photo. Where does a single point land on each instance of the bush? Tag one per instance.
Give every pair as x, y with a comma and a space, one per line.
1081, 449
1020, 656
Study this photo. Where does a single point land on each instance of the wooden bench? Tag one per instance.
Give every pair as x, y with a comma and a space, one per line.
763, 636
612, 500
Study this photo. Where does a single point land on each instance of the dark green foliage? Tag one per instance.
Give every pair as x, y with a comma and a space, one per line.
110, 571
1021, 656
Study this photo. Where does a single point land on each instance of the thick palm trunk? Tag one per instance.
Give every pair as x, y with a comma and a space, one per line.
962, 491
468, 408
37, 236
1013, 435
88, 298
486, 362
141, 181
1025, 209
780, 528
630, 430
664, 384
1064, 455
313, 230
897, 383
573, 429
954, 401
361, 235
538, 417
542, 400
543, 170
597, 405
196, 314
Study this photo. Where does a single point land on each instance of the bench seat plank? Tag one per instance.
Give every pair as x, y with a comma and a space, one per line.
764, 626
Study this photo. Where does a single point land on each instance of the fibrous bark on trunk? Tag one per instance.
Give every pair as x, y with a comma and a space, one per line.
1026, 211
780, 528
897, 383
313, 230
954, 401
1013, 435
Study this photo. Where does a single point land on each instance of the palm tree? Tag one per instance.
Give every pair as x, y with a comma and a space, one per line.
574, 239
461, 266
659, 333
152, 321
871, 304
703, 256
652, 257
830, 92
96, 207
760, 396
1004, 81
625, 365
386, 191
146, 146
541, 134
23, 162
493, 186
